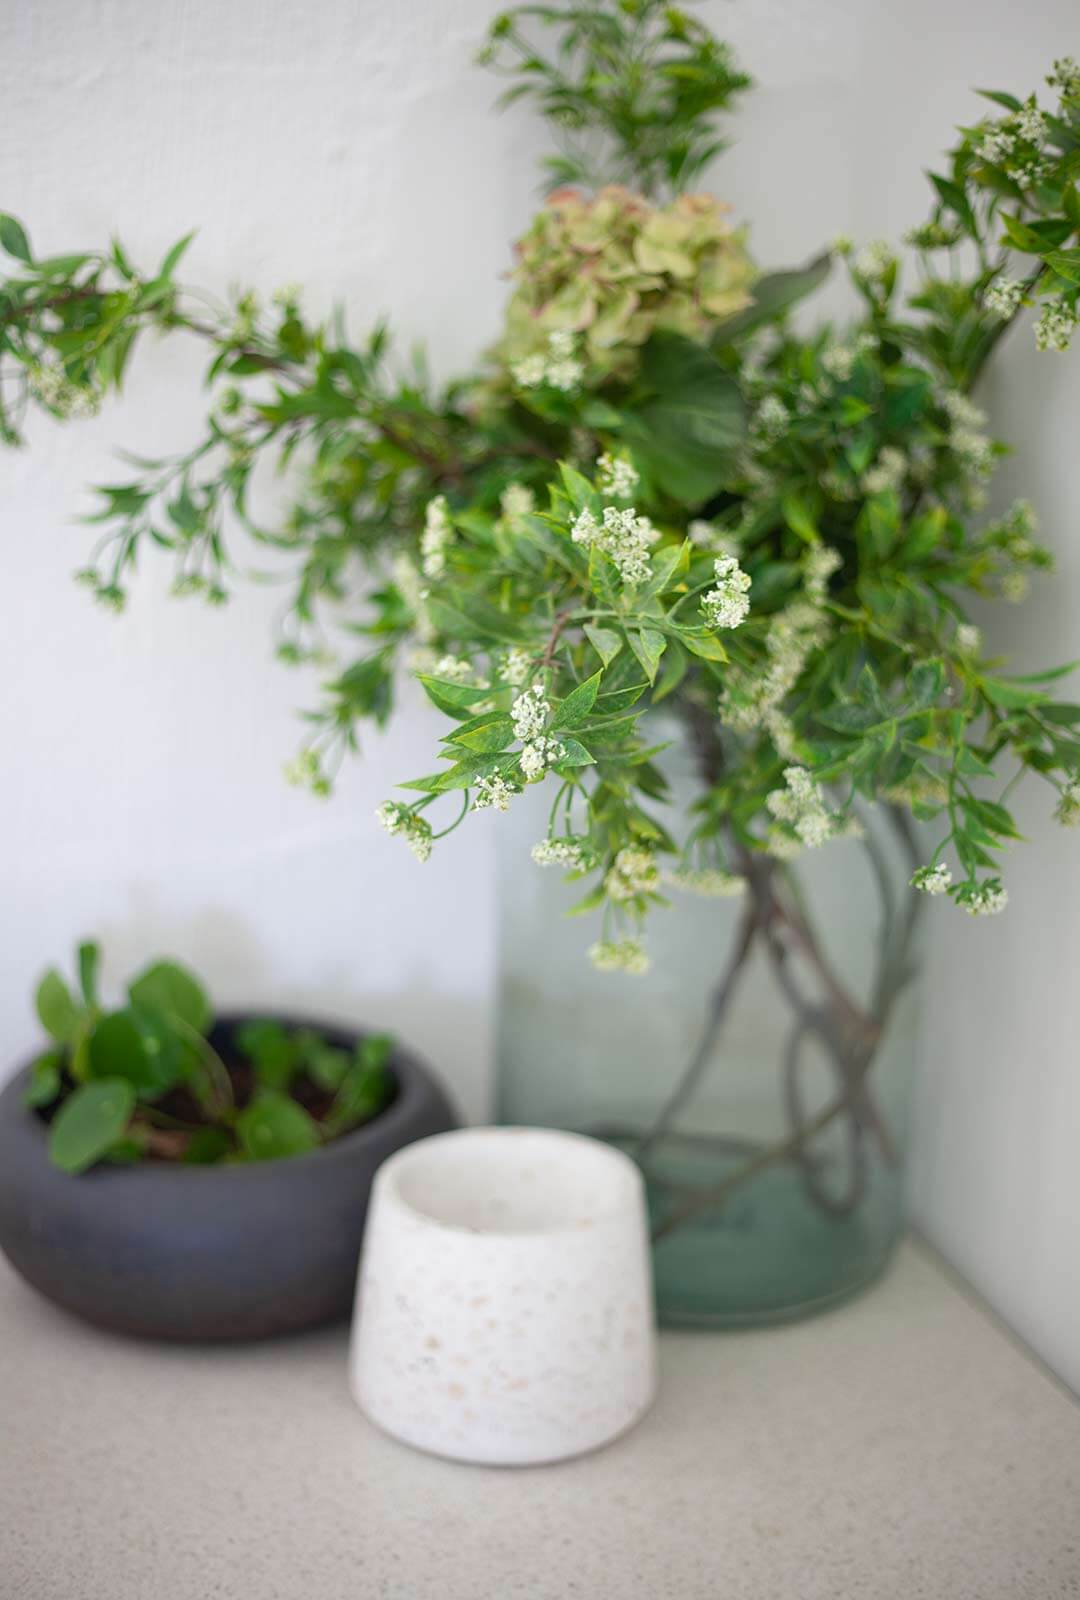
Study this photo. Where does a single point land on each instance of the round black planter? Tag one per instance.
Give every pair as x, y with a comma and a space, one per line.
221, 1252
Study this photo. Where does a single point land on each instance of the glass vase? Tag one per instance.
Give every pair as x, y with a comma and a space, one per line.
758, 1073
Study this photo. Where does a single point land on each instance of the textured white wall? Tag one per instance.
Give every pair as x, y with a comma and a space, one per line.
350, 147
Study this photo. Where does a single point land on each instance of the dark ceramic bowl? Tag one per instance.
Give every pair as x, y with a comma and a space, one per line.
220, 1252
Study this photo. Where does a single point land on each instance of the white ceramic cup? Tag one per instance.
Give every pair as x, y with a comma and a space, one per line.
504, 1306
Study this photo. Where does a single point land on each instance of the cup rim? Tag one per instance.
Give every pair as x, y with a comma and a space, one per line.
392, 1169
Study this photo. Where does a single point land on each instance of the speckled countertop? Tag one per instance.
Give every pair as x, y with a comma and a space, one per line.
902, 1446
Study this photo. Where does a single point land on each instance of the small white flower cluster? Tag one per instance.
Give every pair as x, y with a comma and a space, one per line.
1014, 142
617, 476
771, 417
820, 564
305, 772
968, 639
571, 852
839, 361
932, 880
438, 532
984, 899
455, 669
560, 368
794, 633
411, 589
1003, 297
398, 819
873, 263
514, 666
1067, 810
707, 536
515, 502
493, 792
727, 605
539, 755
933, 236
633, 872
1014, 587
888, 471
966, 437
529, 713
1065, 77
1056, 325
801, 805
620, 955
710, 882
50, 386
623, 535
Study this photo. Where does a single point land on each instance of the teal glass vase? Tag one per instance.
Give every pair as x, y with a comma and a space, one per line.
759, 1072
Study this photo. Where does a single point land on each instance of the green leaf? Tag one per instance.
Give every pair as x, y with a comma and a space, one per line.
126, 1045
453, 698
577, 705
56, 1007
605, 641
207, 1146
486, 735
685, 435
13, 239
44, 1085
774, 295
674, 671
172, 259
89, 961
270, 1050
1066, 263
648, 646
172, 990
617, 700
700, 642
800, 516
271, 1126
574, 754
365, 1087
1009, 694
88, 1122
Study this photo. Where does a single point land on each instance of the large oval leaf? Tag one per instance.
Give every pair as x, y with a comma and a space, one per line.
89, 1122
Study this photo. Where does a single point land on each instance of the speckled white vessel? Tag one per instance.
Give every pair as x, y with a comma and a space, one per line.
504, 1306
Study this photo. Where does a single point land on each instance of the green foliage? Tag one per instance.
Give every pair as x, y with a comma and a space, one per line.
656, 491
632, 89
145, 1080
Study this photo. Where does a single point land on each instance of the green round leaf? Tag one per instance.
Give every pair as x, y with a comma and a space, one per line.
90, 1122
139, 1048
272, 1126
171, 989
60, 1015
44, 1085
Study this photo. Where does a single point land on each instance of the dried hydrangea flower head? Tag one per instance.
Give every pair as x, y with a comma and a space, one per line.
612, 269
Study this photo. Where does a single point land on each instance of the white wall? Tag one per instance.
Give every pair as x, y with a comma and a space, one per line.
350, 147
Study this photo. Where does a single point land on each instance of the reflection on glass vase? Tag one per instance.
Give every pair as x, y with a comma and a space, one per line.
759, 1072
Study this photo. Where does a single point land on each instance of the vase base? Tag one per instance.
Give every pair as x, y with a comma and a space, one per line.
733, 1319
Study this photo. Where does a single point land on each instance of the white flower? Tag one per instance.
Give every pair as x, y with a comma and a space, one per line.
1003, 297
887, 472
874, 260
802, 806
622, 955
984, 900
710, 882
782, 846
632, 873
771, 417
728, 604
932, 880
515, 502
397, 818
515, 666
623, 535
529, 713
839, 361
570, 852
540, 754
820, 564
437, 534
968, 639
1015, 587
842, 244
494, 792
1065, 77
529, 373
997, 144
962, 412
617, 476
1067, 811
1056, 325
1031, 124
455, 668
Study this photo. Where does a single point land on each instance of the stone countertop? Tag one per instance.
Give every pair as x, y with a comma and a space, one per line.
903, 1446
